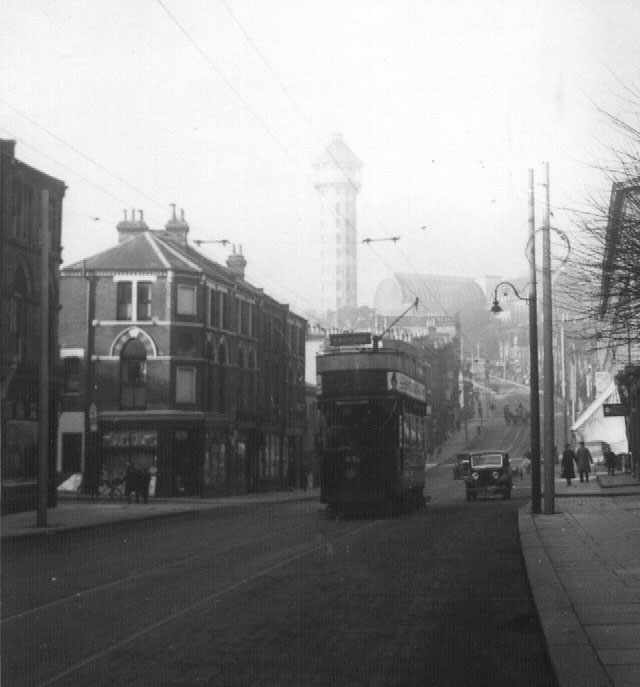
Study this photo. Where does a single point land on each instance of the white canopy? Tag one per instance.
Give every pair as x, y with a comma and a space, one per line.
592, 426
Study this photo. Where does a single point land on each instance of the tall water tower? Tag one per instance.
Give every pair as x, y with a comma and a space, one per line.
337, 180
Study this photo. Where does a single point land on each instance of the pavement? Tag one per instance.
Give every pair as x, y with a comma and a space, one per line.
75, 512
583, 565
582, 562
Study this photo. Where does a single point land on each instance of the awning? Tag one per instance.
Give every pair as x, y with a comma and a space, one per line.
592, 426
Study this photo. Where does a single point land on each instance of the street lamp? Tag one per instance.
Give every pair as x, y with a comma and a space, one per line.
534, 385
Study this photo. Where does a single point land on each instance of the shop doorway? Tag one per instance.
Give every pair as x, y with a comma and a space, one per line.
186, 464
71, 453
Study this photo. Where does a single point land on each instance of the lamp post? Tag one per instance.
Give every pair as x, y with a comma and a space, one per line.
549, 391
91, 476
534, 400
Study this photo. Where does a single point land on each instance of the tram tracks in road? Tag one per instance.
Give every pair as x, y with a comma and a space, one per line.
113, 584
110, 607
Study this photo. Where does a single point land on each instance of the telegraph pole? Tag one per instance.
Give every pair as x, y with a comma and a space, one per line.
533, 358
549, 390
45, 347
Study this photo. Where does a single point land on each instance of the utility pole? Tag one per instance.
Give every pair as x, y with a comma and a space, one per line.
549, 385
563, 363
533, 358
90, 479
45, 347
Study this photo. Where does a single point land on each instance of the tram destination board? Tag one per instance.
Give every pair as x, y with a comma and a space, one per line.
350, 339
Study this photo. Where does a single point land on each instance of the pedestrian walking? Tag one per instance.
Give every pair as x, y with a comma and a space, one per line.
568, 463
610, 461
584, 461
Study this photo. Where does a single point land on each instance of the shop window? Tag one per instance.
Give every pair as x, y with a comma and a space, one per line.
71, 375
143, 307
185, 385
124, 297
133, 375
186, 300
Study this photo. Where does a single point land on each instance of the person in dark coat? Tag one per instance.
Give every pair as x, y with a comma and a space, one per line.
568, 464
584, 461
610, 461
137, 479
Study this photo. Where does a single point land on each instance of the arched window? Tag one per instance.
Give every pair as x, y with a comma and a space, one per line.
133, 375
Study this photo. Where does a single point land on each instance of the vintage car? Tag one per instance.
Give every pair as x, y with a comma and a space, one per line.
461, 467
490, 475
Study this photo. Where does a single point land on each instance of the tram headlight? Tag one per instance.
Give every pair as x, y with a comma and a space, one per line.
475, 476
495, 474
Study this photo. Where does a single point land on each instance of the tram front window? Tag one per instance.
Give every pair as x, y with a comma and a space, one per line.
354, 425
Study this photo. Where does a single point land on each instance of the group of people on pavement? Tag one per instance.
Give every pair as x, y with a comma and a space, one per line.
570, 458
583, 459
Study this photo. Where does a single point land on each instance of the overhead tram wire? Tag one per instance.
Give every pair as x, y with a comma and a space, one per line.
260, 120
300, 112
308, 123
84, 155
64, 166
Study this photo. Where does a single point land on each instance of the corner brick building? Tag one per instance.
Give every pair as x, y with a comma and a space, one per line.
176, 363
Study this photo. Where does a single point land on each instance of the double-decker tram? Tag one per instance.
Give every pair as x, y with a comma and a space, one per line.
372, 399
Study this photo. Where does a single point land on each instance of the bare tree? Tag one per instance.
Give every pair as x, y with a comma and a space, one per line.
601, 287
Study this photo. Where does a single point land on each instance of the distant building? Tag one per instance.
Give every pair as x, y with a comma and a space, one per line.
444, 304
337, 180
21, 224
178, 364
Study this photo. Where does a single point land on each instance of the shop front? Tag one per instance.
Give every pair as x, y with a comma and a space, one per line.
129, 448
172, 453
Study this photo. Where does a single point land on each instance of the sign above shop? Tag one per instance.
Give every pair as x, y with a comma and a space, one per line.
614, 409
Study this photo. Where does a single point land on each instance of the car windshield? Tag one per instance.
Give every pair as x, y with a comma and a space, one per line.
487, 460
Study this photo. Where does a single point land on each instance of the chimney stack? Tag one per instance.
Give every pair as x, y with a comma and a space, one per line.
236, 262
128, 228
177, 229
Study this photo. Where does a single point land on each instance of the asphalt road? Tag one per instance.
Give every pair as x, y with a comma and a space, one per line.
279, 595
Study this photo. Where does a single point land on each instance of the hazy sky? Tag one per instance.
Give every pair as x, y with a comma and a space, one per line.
221, 106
